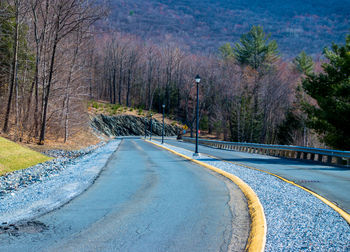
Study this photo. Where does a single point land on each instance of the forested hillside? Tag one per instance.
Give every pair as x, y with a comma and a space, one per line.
204, 25
56, 56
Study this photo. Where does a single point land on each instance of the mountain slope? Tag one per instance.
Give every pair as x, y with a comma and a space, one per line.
205, 25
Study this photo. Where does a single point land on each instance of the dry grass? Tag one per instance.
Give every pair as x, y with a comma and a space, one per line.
100, 107
81, 139
16, 157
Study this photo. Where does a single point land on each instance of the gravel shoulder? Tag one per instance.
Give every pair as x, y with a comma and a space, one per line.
296, 220
31, 192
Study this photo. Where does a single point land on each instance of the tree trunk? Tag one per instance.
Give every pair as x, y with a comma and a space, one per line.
114, 87
47, 94
120, 83
16, 100
67, 95
128, 88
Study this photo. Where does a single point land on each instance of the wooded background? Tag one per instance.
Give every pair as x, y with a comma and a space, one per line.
54, 59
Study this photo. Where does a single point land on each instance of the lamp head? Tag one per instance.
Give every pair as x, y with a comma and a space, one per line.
198, 78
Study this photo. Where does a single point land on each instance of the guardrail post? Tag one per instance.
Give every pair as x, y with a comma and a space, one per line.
319, 157
298, 155
329, 159
339, 160
312, 156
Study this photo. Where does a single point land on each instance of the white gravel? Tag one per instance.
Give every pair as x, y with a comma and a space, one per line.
296, 220
56, 182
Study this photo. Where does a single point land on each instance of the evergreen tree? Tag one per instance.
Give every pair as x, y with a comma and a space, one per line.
304, 63
6, 43
331, 90
254, 48
256, 51
226, 51
305, 66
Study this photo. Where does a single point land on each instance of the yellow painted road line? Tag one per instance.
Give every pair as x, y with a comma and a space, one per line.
257, 236
342, 212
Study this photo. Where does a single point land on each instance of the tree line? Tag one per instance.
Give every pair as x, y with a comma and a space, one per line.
53, 61
245, 93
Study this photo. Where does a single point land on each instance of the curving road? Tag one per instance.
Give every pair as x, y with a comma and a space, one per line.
146, 199
331, 182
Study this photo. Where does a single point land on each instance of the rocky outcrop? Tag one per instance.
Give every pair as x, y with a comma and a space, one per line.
127, 125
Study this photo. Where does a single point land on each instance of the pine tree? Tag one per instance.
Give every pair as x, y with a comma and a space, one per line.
254, 48
304, 63
226, 51
331, 90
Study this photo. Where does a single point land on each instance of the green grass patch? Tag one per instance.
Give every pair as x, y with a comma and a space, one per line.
16, 157
95, 105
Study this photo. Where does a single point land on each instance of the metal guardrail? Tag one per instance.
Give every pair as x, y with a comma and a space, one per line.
288, 151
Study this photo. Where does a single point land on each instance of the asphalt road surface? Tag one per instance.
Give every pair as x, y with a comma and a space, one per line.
146, 199
331, 182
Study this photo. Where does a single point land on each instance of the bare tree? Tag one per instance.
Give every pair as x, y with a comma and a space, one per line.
67, 17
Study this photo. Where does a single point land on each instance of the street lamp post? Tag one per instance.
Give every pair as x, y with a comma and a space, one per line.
198, 79
150, 137
163, 106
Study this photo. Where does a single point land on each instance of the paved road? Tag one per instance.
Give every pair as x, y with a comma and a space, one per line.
146, 199
331, 182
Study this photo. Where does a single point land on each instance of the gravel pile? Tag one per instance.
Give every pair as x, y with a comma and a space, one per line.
34, 191
72, 154
296, 220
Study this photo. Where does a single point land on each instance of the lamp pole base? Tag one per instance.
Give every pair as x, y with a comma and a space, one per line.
196, 154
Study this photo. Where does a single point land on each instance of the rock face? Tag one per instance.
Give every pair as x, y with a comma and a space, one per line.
127, 125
